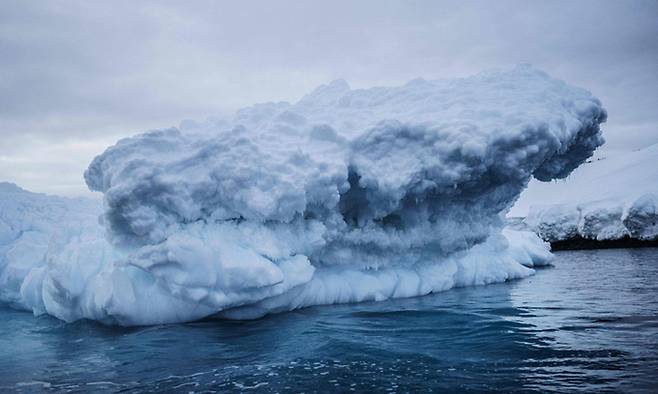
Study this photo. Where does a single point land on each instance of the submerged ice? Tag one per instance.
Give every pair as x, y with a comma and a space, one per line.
344, 196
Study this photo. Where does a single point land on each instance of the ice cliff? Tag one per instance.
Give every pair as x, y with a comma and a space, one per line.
612, 198
344, 196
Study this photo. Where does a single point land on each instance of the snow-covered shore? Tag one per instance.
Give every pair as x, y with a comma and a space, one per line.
610, 199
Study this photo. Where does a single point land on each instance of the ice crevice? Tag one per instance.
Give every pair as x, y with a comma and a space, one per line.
344, 196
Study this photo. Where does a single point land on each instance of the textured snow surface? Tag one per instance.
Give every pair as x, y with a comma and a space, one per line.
606, 199
345, 196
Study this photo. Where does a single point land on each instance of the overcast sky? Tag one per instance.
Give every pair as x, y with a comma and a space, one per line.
77, 75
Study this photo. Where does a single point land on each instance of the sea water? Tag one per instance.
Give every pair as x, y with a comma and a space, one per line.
588, 323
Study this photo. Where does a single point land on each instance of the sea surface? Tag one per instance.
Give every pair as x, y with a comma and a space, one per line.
589, 323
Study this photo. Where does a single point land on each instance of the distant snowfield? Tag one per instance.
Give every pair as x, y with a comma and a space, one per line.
617, 176
345, 196
609, 198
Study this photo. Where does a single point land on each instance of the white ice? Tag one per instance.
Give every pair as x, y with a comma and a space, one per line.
605, 199
344, 196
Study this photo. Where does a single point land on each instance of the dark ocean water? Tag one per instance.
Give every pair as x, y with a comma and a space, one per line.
590, 323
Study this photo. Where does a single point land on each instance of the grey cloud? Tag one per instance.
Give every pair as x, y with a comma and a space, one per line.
88, 72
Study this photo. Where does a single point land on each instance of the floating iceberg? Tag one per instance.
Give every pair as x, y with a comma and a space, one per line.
608, 199
345, 196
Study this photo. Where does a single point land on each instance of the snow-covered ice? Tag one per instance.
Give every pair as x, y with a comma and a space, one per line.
344, 196
607, 199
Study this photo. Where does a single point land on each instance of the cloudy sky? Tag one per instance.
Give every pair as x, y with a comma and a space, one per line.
77, 75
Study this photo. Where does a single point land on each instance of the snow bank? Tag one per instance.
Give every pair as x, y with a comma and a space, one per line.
618, 198
345, 196
602, 220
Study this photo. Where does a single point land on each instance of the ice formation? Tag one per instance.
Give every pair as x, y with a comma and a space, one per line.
345, 196
607, 199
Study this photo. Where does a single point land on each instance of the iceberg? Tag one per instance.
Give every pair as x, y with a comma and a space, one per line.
345, 196
609, 199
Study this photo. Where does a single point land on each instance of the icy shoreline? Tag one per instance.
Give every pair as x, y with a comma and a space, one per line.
615, 205
597, 221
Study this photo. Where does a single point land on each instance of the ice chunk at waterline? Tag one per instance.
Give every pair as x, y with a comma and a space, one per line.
55, 260
345, 196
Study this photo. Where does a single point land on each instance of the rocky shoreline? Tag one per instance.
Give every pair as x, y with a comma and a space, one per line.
580, 243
